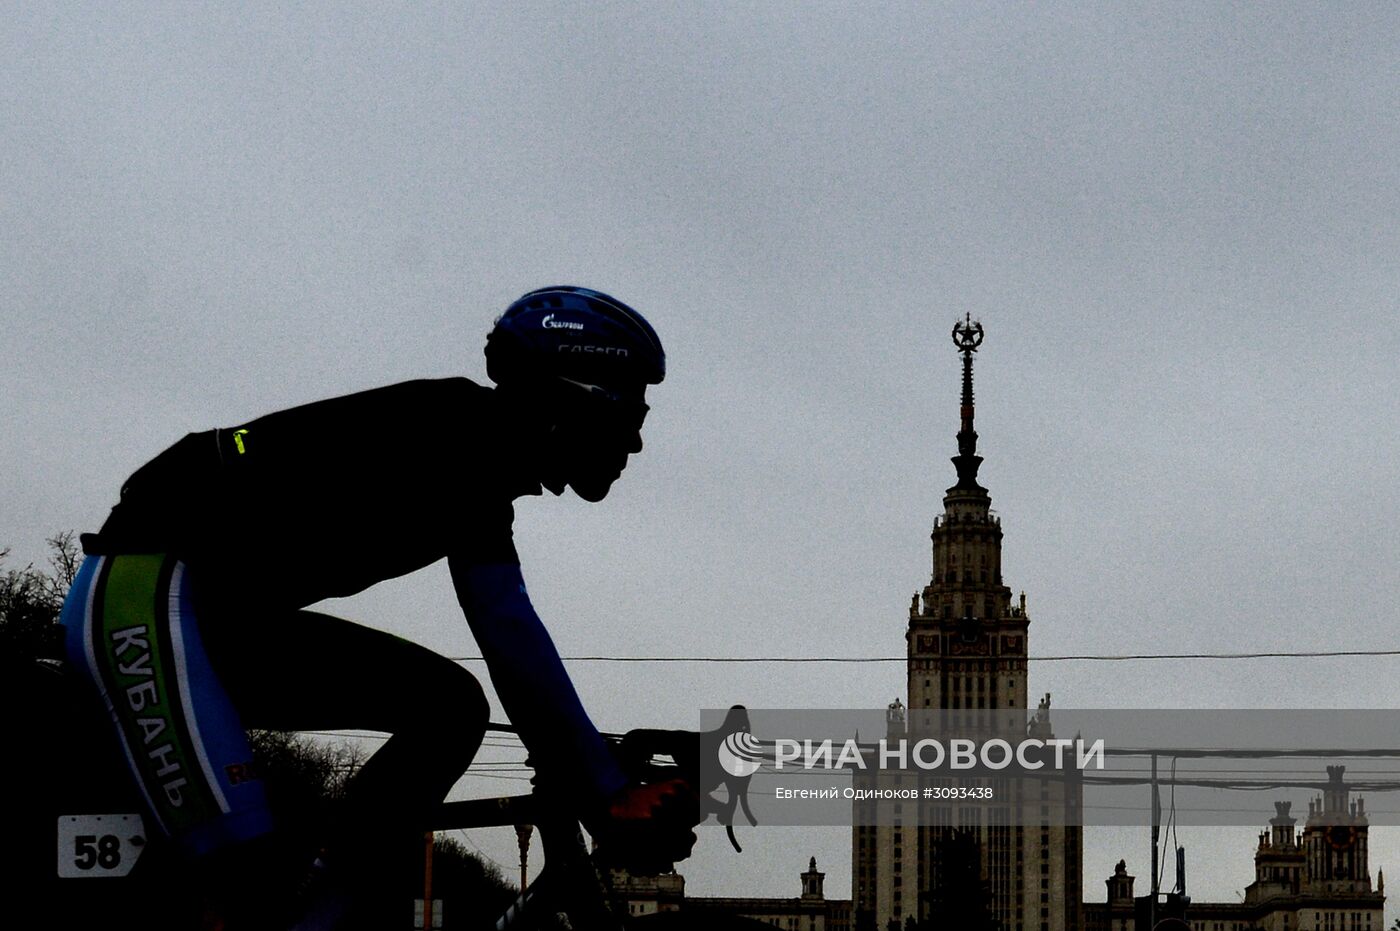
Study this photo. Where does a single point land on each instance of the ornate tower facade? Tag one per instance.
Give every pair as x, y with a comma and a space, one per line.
1335, 840
1319, 877
966, 640
967, 650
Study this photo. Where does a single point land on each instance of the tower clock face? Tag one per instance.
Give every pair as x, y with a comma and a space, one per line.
1341, 837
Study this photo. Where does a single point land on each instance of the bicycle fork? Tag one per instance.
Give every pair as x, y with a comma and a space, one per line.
568, 895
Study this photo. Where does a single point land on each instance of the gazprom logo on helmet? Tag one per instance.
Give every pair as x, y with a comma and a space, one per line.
740, 754
549, 323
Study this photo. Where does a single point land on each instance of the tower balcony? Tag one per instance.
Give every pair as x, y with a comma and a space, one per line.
989, 517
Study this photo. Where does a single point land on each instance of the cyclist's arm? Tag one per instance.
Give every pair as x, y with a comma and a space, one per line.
529, 677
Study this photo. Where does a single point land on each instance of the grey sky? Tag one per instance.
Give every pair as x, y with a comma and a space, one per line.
1177, 223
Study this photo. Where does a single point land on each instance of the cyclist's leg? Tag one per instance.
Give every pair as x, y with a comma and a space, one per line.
132, 630
304, 670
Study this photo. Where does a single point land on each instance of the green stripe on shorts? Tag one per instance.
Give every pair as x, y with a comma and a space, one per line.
134, 647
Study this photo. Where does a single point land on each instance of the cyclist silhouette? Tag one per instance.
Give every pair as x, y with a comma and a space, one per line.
189, 613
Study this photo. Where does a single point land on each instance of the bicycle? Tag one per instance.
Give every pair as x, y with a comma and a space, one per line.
576, 888
111, 874
573, 889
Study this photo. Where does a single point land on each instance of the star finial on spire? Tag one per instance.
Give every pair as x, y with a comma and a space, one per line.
967, 336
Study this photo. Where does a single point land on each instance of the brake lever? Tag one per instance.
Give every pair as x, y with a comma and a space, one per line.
687, 748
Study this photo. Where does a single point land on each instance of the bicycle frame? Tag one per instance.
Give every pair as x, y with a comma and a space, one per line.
571, 891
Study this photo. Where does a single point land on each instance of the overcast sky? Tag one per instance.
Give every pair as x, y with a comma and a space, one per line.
1177, 223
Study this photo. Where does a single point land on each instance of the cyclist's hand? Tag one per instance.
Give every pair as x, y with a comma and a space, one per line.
647, 828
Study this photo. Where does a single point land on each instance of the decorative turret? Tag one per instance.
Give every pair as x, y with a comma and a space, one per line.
812, 882
1120, 885
1282, 824
894, 719
1279, 860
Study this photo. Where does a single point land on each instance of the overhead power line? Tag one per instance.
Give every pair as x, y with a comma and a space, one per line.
1075, 657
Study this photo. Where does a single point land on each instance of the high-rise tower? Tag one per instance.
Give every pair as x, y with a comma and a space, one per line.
966, 640
967, 650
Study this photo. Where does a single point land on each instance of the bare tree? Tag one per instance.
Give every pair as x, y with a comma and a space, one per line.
31, 600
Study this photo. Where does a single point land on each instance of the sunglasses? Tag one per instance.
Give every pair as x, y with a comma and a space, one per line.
628, 411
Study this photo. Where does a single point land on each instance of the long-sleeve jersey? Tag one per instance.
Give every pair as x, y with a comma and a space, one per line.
329, 498
326, 499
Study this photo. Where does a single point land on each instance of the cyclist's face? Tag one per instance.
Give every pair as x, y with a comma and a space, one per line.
593, 442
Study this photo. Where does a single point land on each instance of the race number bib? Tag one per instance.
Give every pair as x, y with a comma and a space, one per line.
91, 846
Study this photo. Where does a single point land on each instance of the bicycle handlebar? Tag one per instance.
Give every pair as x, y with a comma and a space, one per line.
636, 751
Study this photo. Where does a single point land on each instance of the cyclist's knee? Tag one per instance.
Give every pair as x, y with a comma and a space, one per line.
458, 726
471, 701
457, 696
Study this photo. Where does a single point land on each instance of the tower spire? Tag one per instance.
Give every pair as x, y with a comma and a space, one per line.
967, 336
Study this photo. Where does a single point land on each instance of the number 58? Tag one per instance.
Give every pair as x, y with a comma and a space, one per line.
90, 851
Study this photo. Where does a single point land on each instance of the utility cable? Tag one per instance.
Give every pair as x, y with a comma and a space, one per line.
1066, 658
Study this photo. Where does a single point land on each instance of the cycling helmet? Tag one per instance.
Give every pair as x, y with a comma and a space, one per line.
574, 333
